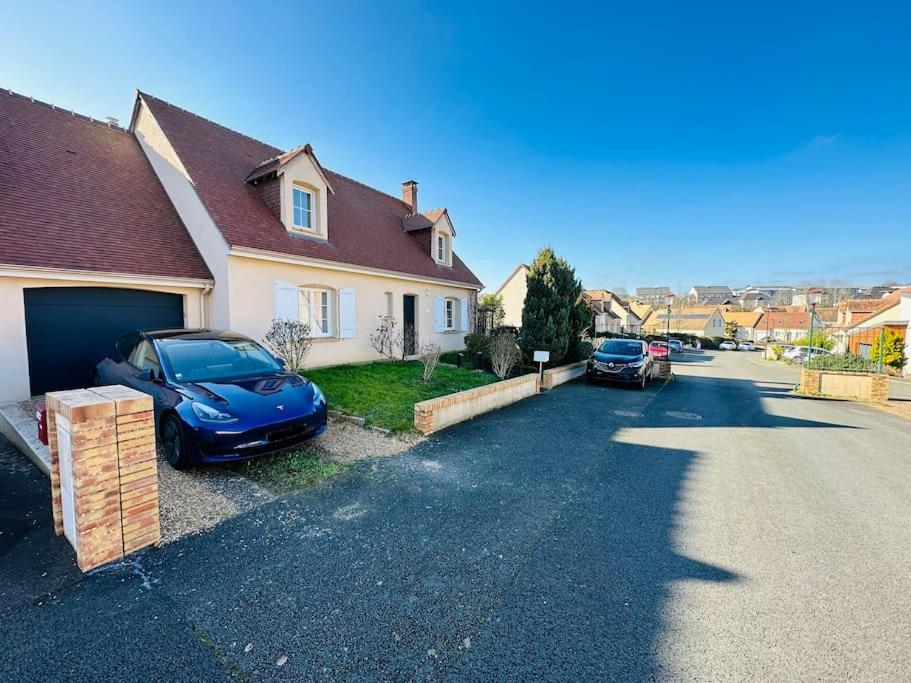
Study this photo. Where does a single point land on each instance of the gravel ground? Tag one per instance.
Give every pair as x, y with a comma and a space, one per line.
197, 499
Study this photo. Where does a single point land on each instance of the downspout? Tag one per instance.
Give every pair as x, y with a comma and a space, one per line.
203, 301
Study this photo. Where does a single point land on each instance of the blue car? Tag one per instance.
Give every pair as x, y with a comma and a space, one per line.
218, 396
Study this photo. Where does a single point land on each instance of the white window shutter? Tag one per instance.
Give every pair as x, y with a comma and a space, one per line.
285, 301
347, 316
463, 314
439, 323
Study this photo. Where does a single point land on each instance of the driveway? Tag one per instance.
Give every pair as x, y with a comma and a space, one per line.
718, 527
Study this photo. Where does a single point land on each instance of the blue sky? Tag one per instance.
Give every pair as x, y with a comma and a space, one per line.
650, 143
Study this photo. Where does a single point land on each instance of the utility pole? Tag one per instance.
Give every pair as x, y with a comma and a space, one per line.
810, 340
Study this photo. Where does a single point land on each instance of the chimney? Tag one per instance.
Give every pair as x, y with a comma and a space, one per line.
410, 194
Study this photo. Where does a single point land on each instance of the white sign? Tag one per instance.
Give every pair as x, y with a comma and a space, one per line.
542, 356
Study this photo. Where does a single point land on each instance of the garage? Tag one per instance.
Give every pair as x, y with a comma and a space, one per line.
69, 329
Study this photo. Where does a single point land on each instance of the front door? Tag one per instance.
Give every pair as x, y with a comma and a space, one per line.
409, 306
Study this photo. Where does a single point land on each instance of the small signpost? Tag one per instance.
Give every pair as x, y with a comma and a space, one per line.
541, 357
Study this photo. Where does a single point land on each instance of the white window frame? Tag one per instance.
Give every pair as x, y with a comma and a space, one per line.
449, 315
388, 304
311, 211
318, 304
444, 241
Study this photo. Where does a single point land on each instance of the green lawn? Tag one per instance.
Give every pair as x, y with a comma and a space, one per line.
385, 393
288, 471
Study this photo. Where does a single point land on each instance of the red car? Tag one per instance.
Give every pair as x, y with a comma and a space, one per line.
658, 349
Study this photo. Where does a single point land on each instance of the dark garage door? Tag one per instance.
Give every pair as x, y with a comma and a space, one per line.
70, 329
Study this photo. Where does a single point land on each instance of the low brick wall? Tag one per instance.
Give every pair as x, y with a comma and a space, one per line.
662, 369
562, 374
857, 385
438, 413
104, 477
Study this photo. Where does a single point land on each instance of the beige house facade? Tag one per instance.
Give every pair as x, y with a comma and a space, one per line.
512, 293
221, 231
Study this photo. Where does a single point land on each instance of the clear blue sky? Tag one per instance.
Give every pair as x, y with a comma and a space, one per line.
650, 143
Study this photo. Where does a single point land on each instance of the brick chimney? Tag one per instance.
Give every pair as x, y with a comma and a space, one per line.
410, 194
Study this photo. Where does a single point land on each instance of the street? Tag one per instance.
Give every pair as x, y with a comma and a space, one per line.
715, 527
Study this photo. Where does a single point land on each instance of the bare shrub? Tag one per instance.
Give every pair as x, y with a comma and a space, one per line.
504, 354
429, 357
408, 340
289, 340
387, 339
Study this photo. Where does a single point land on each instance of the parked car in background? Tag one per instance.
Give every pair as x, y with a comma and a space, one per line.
620, 360
658, 349
675, 345
799, 354
728, 345
746, 346
218, 396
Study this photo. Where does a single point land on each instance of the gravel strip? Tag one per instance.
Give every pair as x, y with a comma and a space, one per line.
346, 442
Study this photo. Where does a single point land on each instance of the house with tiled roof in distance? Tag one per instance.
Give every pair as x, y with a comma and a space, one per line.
640, 309
655, 296
790, 325
700, 321
512, 293
746, 322
612, 314
178, 221
710, 295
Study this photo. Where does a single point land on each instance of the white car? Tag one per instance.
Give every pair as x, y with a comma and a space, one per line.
728, 345
798, 354
746, 346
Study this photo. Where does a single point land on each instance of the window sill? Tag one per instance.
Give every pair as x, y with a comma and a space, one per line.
322, 340
307, 234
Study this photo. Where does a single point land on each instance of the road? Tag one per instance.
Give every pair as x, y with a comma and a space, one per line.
716, 527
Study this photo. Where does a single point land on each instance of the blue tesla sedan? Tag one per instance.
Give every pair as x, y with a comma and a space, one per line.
218, 396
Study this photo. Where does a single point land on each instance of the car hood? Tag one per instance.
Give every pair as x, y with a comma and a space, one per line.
615, 357
286, 394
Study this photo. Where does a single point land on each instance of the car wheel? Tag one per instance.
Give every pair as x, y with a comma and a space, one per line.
174, 443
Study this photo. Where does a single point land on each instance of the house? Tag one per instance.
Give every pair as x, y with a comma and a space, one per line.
746, 323
181, 222
893, 313
512, 292
640, 309
811, 296
700, 321
782, 326
710, 295
656, 296
612, 314
752, 299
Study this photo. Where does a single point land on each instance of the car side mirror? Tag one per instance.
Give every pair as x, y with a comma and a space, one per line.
146, 375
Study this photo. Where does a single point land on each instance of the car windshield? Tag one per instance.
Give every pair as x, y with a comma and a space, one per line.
622, 348
202, 360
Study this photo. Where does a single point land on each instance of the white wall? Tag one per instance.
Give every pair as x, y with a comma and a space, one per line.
180, 189
252, 283
14, 377
513, 292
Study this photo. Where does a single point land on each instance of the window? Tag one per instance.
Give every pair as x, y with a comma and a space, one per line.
443, 248
303, 209
143, 357
388, 304
316, 309
449, 317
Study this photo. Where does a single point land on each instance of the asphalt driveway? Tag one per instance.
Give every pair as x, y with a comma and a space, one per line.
718, 527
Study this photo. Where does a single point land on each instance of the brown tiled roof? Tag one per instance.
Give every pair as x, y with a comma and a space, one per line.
365, 225
787, 320
883, 304
743, 318
78, 194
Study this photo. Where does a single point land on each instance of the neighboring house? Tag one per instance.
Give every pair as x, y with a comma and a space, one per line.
782, 326
893, 313
701, 321
612, 314
750, 300
91, 246
809, 297
710, 295
655, 296
512, 292
746, 323
640, 309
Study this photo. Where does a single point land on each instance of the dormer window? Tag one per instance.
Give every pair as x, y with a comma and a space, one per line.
443, 248
303, 209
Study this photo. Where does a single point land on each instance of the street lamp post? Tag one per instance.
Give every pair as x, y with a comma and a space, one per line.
668, 300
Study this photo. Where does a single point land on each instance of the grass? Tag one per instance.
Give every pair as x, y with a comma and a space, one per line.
385, 393
288, 471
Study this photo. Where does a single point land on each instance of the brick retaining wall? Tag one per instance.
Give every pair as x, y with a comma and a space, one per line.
562, 374
857, 385
437, 413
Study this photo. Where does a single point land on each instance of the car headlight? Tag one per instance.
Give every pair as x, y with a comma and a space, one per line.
317, 393
637, 364
207, 413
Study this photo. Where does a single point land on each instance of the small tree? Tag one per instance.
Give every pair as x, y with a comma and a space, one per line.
429, 357
494, 304
891, 346
289, 340
731, 329
386, 338
504, 353
820, 340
